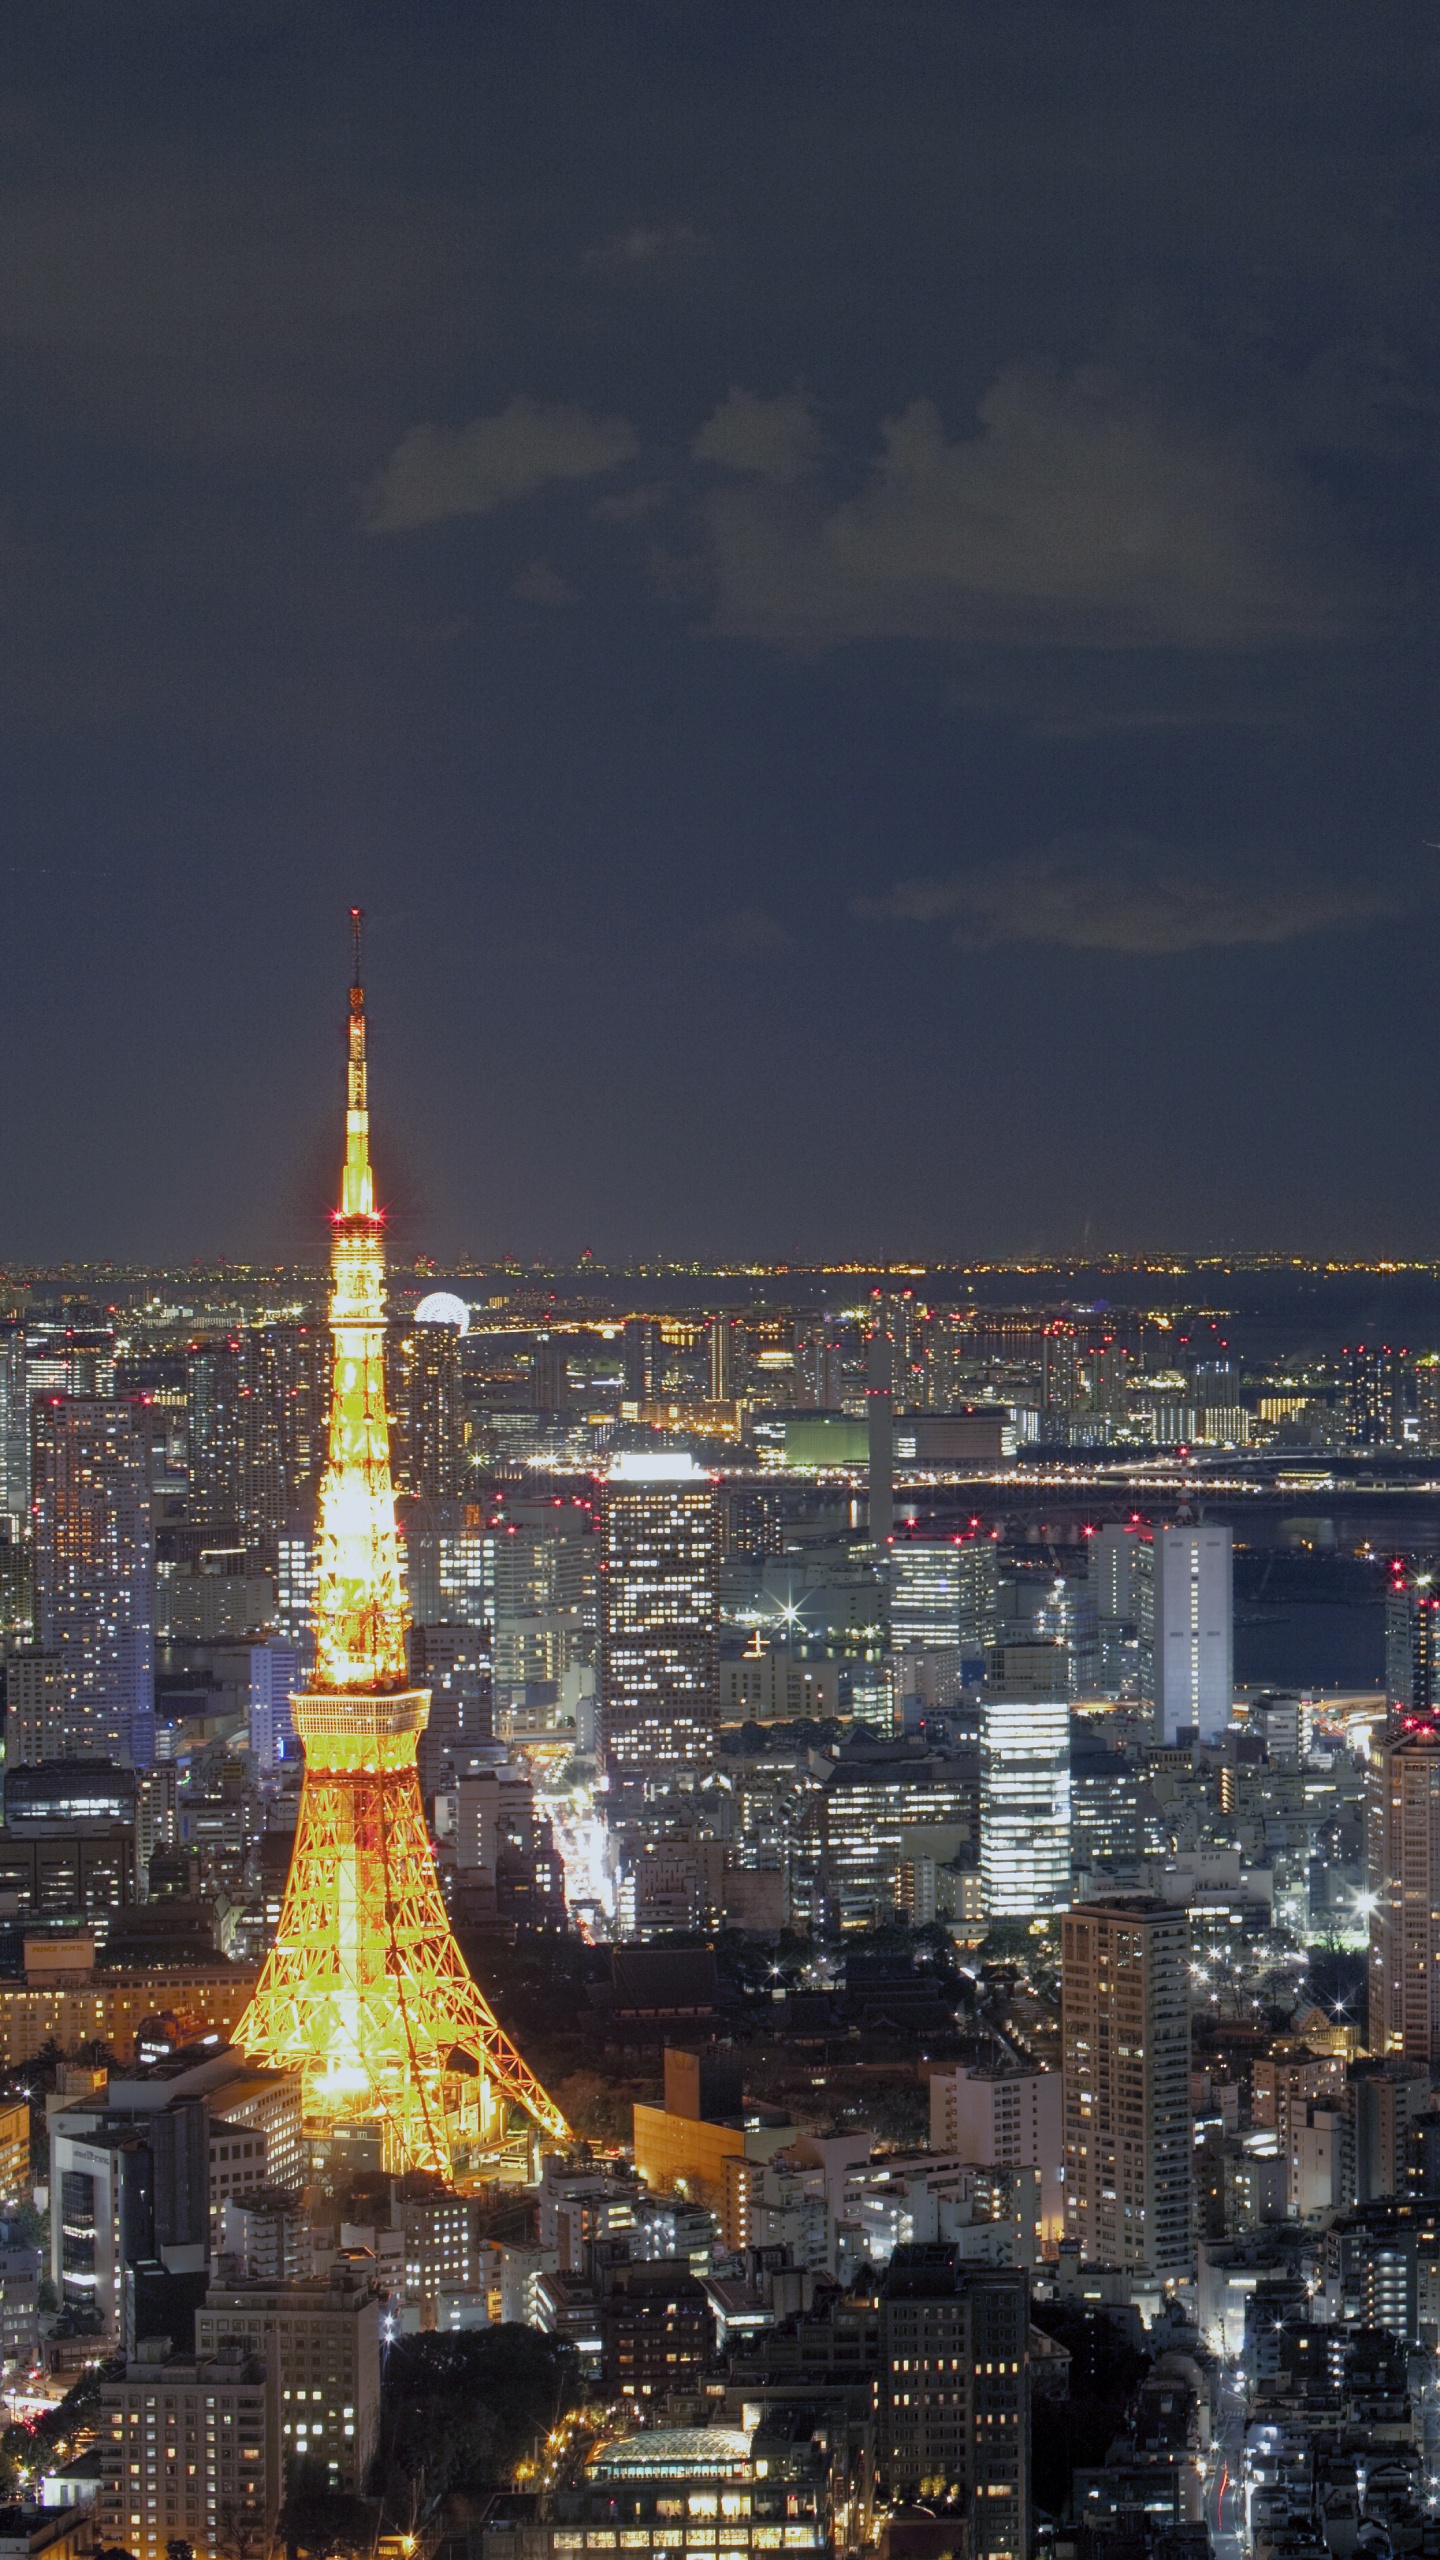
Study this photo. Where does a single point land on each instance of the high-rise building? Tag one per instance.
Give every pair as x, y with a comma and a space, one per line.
187, 2453
1008, 2116
94, 1574
550, 1374
14, 1428
37, 1699
722, 1360
284, 1411
1412, 1641
320, 2340
955, 2392
426, 1416
215, 1433
365, 1994
1125, 2023
944, 1592
659, 1647
1025, 1806
274, 1675
1403, 1862
1185, 1616
880, 1423
1112, 1565
644, 1355
1375, 1381
256, 1406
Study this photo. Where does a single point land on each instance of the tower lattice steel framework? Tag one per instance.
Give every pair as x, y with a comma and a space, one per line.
365, 1992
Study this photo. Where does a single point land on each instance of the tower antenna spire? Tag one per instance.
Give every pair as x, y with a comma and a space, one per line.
357, 930
365, 1992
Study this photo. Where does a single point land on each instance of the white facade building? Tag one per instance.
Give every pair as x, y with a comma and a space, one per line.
1025, 1806
1185, 1609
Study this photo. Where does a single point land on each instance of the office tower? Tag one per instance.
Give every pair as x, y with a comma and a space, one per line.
543, 1571
425, 1409
94, 1574
37, 1697
1113, 1551
880, 1423
644, 1354
1024, 1806
1105, 1827
444, 1562
1125, 2024
14, 1428
1402, 1820
659, 1649
157, 1816
274, 1675
284, 1411
365, 1993
215, 1434
1185, 1617
1412, 1641
944, 1592
295, 1578
955, 2393
550, 1375
320, 2341
187, 2454
72, 1364
1060, 1380
1427, 1401
722, 1362
1374, 1385
454, 1664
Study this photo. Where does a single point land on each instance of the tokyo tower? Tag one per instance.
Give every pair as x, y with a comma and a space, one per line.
365, 1992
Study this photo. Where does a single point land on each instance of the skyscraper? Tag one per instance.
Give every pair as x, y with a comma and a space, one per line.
1376, 1380
425, 1409
1185, 1615
14, 1427
284, 1412
1403, 1862
365, 1992
944, 1592
659, 1650
880, 1423
257, 1405
215, 1433
1025, 1806
644, 1353
1412, 1641
1125, 2025
94, 1574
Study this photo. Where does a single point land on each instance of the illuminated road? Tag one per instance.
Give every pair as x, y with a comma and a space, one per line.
1225, 2498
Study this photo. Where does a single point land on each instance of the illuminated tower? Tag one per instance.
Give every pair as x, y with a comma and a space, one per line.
365, 1991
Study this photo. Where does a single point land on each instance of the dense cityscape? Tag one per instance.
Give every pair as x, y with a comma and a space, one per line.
630, 1899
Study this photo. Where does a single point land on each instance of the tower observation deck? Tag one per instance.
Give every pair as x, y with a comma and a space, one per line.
365, 1992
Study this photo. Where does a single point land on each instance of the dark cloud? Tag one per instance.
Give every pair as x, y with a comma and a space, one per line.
644, 246
773, 439
1078, 516
1126, 893
437, 472
749, 933
540, 584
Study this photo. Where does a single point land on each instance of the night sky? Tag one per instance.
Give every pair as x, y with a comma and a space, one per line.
852, 587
